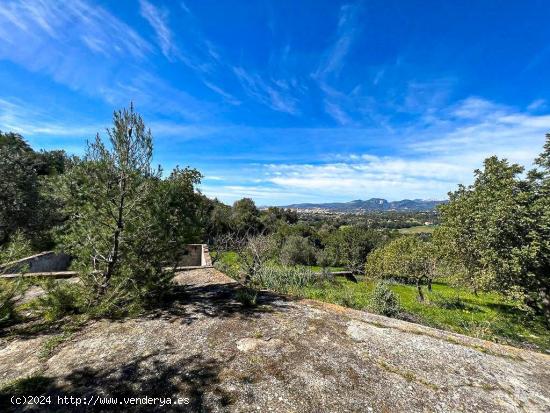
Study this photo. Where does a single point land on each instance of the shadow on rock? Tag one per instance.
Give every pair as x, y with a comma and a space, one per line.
193, 378
190, 302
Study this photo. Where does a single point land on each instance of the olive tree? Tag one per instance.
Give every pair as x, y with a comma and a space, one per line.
407, 257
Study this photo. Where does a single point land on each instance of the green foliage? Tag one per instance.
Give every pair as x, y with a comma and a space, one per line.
384, 301
179, 213
273, 218
490, 315
406, 258
245, 217
247, 296
283, 279
125, 223
18, 247
350, 245
297, 250
60, 299
23, 205
10, 292
495, 234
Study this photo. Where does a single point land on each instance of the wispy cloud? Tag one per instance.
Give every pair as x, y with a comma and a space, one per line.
270, 94
16, 116
347, 30
86, 48
158, 19
446, 155
333, 61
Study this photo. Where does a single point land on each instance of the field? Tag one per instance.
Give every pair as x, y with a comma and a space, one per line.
420, 229
488, 316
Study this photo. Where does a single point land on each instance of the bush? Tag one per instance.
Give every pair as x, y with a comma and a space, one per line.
247, 296
10, 291
384, 301
283, 279
297, 250
324, 259
18, 247
60, 299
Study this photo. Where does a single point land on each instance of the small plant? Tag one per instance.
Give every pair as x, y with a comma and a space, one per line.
384, 301
50, 345
283, 279
61, 299
449, 303
348, 299
248, 297
10, 292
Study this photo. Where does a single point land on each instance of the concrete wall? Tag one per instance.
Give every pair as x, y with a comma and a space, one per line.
44, 262
195, 255
192, 256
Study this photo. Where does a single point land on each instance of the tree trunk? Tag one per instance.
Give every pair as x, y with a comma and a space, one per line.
419, 289
429, 284
116, 235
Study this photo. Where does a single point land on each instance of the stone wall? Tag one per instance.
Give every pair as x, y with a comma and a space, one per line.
48, 261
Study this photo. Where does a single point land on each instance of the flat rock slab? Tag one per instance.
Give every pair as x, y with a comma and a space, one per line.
281, 356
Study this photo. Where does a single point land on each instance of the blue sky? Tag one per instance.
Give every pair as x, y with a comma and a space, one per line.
287, 101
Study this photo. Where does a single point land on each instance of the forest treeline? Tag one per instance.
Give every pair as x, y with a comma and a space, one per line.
124, 222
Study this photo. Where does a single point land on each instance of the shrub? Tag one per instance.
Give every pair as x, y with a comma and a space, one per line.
60, 299
384, 301
297, 250
283, 279
18, 247
324, 259
10, 291
247, 296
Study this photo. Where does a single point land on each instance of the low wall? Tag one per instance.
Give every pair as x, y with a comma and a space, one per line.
191, 256
195, 255
48, 261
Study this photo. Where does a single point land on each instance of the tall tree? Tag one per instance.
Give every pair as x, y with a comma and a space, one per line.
107, 198
245, 217
537, 275
495, 233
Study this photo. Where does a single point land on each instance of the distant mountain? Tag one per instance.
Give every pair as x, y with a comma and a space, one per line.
373, 204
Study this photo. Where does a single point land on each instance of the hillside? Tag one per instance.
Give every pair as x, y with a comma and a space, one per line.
373, 204
282, 356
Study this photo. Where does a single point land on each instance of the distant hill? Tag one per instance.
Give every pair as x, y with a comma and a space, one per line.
373, 204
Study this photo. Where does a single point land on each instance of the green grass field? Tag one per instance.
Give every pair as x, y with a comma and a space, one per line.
420, 229
487, 315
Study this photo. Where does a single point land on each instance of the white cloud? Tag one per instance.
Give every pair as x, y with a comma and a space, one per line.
15, 116
443, 158
158, 19
267, 93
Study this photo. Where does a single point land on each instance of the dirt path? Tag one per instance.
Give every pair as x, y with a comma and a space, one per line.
282, 356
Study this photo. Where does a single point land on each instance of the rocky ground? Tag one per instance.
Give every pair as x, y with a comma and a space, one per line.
281, 356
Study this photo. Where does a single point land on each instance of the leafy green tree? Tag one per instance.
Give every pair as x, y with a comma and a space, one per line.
536, 278
350, 245
274, 217
219, 220
23, 205
179, 213
245, 217
484, 226
407, 257
297, 250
